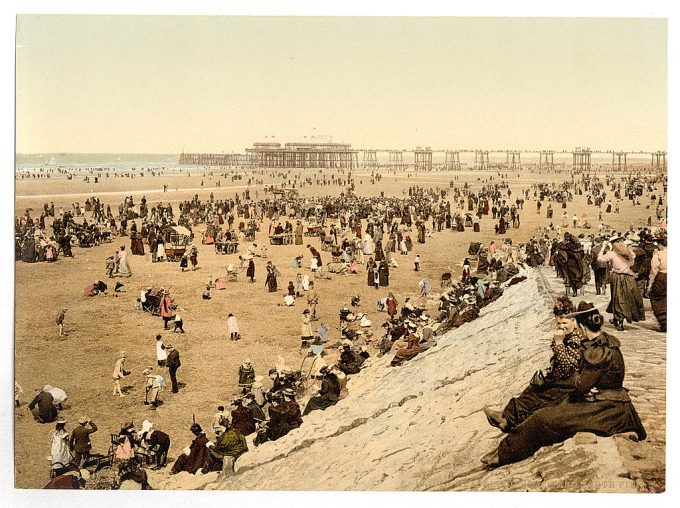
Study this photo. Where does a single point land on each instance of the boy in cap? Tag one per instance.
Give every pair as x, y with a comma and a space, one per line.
60, 321
153, 386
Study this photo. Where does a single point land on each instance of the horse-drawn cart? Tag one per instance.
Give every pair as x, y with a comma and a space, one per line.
226, 247
178, 239
313, 230
281, 239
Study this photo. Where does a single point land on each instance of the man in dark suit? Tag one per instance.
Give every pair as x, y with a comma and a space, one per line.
42, 407
173, 364
80, 443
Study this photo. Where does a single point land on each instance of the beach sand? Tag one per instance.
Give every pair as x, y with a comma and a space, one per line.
99, 327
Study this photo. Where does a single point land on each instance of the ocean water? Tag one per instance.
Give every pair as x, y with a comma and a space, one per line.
104, 161
170, 162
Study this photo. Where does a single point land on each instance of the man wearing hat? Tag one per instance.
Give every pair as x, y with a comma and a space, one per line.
312, 299
173, 363
155, 441
80, 443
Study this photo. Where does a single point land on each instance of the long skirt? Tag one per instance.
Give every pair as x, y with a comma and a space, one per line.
271, 283
626, 298
370, 277
298, 239
531, 400
124, 268
137, 246
557, 423
475, 227
657, 295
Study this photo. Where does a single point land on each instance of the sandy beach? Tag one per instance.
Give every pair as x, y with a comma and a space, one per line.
99, 327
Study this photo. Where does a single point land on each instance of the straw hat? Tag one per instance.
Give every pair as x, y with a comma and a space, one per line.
83, 420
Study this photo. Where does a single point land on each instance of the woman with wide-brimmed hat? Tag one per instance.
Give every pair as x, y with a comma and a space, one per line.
626, 298
556, 382
598, 404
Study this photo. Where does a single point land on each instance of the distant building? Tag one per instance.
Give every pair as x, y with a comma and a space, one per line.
303, 155
273, 155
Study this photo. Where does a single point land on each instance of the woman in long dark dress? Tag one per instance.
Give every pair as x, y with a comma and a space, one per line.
271, 282
384, 274
598, 403
371, 267
379, 253
250, 271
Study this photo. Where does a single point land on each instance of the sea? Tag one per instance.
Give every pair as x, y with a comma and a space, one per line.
169, 163
99, 161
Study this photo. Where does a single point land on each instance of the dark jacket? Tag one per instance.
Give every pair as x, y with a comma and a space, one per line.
173, 360
46, 410
158, 440
242, 419
294, 414
599, 404
80, 438
278, 422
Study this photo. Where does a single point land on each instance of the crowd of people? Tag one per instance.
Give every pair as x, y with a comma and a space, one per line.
372, 233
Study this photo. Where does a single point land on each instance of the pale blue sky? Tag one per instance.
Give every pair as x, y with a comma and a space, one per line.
213, 83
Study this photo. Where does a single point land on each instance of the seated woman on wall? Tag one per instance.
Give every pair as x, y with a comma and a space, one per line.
598, 403
556, 383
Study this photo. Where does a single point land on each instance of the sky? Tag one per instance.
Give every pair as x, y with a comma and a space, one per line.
167, 84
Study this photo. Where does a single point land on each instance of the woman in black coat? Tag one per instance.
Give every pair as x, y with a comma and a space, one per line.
598, 403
